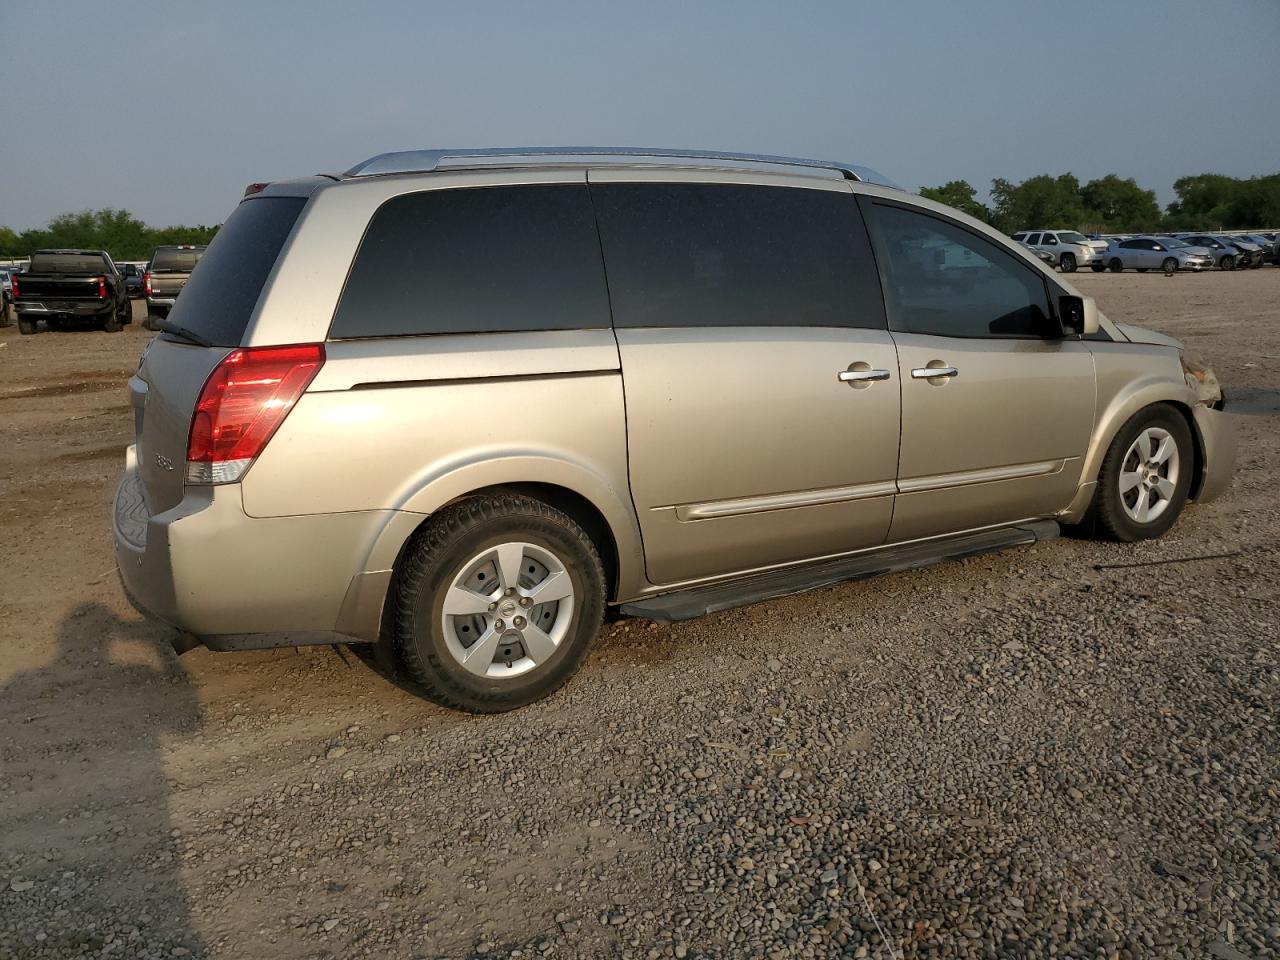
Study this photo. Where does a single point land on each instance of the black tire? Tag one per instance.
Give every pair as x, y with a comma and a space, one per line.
437, 553
1067, 262
1098, 267
1170, 265
1256, 264
26, 327
1228, 262
112, 323
1115, 266
1113, 521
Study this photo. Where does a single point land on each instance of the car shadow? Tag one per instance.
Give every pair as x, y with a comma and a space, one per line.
1253, 401
88, 831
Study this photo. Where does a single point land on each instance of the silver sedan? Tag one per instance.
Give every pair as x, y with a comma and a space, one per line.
1156, 253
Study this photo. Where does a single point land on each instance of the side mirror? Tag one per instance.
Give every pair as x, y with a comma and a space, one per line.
1079, 315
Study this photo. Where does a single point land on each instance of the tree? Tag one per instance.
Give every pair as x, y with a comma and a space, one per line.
1041, 201
1118, 205
1211, 201
118, 232
958, 194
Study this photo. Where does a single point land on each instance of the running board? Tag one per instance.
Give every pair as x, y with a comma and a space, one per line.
696, 601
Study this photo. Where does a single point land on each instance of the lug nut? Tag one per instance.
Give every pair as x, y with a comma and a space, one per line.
525, 601
510, 591
498, 624
493, 607
519, 621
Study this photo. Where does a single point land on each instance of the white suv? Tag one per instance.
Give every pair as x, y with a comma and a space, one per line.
1068, 248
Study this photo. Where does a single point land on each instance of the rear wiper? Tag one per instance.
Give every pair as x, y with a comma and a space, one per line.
182, 333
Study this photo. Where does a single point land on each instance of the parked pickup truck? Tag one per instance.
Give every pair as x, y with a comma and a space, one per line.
64, 287
166, 275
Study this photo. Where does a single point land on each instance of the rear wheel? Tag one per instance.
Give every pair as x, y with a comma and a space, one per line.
1170, 265
497, 601
112, 323
1146, 475
1115, 266
25, 326
1067, 262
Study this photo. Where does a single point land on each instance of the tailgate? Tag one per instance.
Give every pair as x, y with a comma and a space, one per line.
163, 393
168, 284
57, 288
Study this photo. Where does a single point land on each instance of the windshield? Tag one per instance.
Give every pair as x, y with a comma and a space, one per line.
1072, 237
1171, 243
67, 263
175, 260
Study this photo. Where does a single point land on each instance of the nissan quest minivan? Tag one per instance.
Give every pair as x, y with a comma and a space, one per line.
460, 402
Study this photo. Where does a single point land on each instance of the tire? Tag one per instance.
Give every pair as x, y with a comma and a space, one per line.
456, 555
1228, 262
1170, 266
26, 327
1119, 502
1098, 267
1115, 266
1256, 264
112, 323
1067, 262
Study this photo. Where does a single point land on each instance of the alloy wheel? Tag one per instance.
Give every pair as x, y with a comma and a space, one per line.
1149, 475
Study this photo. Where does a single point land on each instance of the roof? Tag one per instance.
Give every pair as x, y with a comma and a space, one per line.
434, 160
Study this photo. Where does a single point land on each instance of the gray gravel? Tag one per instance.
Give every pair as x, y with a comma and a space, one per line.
1014, 756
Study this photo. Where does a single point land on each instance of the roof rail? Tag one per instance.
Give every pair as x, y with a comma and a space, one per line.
428, 161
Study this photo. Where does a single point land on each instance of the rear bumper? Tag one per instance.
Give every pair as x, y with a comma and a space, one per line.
42, 308
1218, 442
161, 301
235, 581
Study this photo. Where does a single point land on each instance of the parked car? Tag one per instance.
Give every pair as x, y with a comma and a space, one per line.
165, 277
1269, 246
132, 274
6, 294
1251, 254
65, 287
1156, 253
1068, 248
1225, 254
391, 408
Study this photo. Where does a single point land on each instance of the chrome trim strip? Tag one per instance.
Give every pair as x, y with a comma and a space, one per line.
1015, 472
783, 501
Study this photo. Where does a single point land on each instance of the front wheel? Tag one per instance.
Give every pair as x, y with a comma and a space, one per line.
1067, 262
1115, 266
1170, 265
1146, 475
1227, 263
497, 601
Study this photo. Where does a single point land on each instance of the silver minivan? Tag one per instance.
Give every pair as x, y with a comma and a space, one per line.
459, 403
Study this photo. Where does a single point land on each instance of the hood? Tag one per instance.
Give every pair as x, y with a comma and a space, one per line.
1198, 251
1143, 335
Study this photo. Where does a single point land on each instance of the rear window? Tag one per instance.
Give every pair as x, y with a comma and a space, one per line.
718, 255
219, 298
477, 260
175, 261
68, 263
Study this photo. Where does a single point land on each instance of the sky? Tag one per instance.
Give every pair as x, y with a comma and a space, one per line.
169, 110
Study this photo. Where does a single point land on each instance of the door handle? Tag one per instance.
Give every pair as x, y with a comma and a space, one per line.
928, 373
861, 376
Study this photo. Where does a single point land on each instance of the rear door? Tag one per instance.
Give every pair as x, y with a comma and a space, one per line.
761, 383
216, 307
997, 407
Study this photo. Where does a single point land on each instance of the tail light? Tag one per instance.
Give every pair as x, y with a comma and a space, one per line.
13, 286
102, 288
241, 406
146, 283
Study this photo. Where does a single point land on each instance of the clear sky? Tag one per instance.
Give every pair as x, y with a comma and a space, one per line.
169, 110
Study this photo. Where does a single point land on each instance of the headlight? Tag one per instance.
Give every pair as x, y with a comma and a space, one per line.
1202, 380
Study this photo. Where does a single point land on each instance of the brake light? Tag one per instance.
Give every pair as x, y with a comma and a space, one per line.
253, 188
102, 288
13, 286
241, 406
146, 283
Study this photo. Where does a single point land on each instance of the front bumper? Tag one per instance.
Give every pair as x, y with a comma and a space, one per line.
233, 581
1202, 263
1218, 442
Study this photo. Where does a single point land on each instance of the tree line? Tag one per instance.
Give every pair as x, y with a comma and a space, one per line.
1112, 204
118, 232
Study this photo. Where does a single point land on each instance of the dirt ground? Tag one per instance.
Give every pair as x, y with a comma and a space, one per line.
298, 803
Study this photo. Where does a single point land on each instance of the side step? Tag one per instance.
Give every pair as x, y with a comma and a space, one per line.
694, 602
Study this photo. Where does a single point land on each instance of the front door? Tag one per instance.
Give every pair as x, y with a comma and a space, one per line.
761, 382
997, 407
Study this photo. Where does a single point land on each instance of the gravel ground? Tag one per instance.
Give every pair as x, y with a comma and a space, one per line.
1063, 750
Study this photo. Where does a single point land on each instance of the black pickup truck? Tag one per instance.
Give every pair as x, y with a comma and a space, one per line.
64, 287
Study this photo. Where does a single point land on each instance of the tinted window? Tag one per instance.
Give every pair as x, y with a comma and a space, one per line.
941, 279
477, 260
67, 263
1033, 239
1132, 245
704, 255
174, 260
224, 288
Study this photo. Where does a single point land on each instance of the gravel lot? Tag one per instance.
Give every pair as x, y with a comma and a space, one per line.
1058, 751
